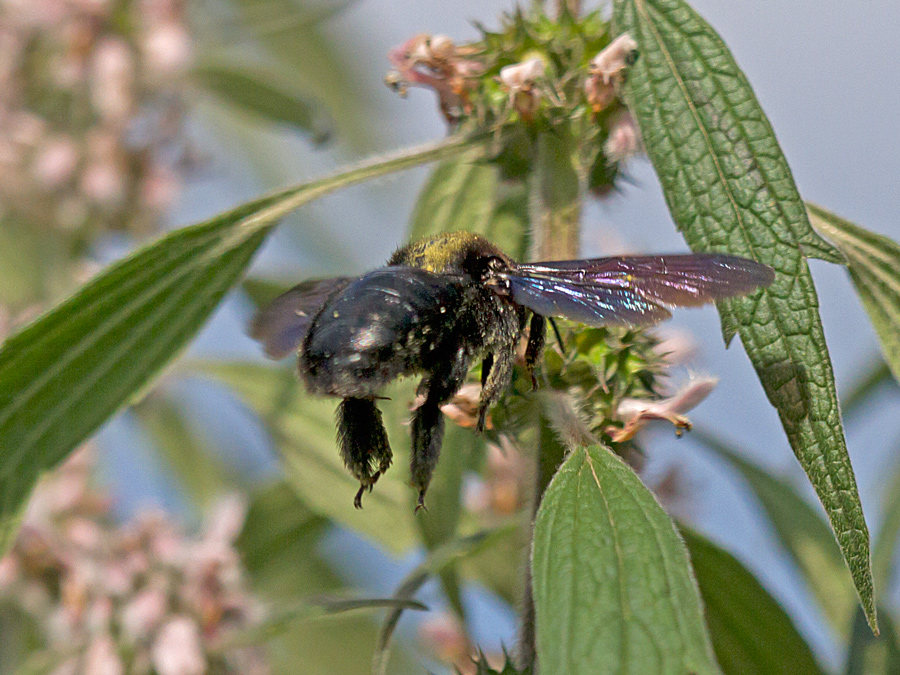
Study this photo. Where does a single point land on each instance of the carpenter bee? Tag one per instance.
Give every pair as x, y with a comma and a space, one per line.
442, 303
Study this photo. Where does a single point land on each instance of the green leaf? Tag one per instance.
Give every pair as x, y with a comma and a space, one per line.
613, 589
260, 94
729, 189
280, 619
802, 532
466, 193
69, 371
303, 430
873, 262
458, 195
871, 655
750, 632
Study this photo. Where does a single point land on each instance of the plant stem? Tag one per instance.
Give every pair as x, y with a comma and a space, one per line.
556, 194
555, 198
550, 455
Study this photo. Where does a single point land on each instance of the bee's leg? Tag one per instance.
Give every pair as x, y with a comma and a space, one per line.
498, 381
363, 441
537, 335
428, 420
486, 366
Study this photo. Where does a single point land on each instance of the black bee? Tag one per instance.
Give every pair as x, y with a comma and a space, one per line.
444, 302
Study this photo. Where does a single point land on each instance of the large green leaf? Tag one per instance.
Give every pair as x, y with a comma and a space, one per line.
800, 529
302, 428
466, 193
729, 188
613, 589
69, 371
751, 634
261, 95
873, 262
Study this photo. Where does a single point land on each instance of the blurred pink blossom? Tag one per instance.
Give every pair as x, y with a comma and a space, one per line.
146, 589
177, 649
101, 657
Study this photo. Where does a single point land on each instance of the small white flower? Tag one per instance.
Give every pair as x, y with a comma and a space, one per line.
606, 67
614, 58
521, 76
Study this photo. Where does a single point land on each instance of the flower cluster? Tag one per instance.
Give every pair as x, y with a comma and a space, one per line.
605, 387
136, 598
536, 73
91, 111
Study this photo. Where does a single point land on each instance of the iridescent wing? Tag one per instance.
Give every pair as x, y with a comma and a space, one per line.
631, 290
282, 325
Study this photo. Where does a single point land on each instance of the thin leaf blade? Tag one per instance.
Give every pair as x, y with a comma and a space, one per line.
729, 189
613, 589
264, 97
873, 262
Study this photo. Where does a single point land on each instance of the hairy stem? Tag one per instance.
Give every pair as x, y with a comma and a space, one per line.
555, 198
556, 195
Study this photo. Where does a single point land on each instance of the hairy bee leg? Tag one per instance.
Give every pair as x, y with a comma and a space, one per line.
363, 442
428, 433
486, 365
428, 421
497, 381
537, 337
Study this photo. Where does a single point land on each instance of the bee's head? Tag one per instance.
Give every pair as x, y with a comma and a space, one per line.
459, 252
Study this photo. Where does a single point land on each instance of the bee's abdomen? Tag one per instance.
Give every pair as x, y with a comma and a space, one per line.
383, 325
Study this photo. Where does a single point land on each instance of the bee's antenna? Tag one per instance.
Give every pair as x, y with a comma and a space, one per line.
562, 346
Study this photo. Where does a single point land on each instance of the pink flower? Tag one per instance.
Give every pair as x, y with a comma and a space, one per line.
177, 649
624, 139
606, 71
102, 658
9, 571
635, 412
55, 162
142, 614
112, 73
226, 519
167, 49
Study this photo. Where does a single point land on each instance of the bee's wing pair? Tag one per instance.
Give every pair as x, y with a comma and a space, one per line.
632, 290
282, 325
629, 290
